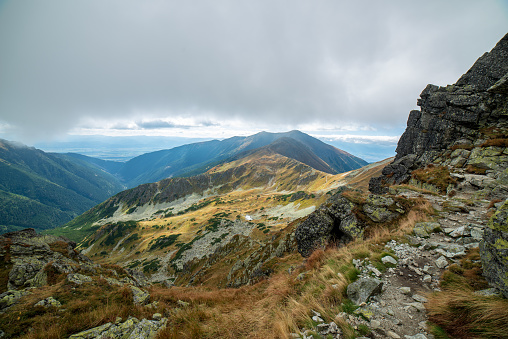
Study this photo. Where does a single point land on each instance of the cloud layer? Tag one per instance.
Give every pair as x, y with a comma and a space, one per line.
273, 63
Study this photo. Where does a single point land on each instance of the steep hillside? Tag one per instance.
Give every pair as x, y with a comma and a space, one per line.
197, 158
43, 190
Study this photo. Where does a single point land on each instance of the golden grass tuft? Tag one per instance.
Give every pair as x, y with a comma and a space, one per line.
466, 315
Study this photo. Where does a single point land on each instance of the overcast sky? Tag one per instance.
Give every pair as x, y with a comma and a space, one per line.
222, 68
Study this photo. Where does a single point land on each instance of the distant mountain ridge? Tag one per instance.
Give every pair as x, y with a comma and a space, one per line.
197, 158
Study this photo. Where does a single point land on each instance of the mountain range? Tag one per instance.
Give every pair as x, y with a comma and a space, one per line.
44, 190
197, 158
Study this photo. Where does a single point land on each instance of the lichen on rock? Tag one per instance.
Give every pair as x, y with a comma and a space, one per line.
494, 250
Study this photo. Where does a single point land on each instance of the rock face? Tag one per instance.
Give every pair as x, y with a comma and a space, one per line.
28, 257
494, 250
461, 116
332, 221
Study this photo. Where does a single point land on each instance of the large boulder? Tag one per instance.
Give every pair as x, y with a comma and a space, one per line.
333, 221
494, 250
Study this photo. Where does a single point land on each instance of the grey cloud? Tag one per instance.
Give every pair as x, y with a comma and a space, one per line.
280, 62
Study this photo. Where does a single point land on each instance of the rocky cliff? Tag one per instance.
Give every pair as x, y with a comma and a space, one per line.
457, 142
460, 125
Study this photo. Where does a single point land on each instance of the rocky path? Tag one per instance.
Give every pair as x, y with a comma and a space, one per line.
393, 301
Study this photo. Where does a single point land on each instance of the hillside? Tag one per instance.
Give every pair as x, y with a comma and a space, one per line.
170, 223
43, 190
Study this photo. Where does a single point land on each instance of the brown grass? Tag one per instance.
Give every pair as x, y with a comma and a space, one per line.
501, 142
460, 312
493, 202
438, 176
475, 169
461, 146
466, 315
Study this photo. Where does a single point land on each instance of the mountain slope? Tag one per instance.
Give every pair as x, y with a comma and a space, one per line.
43, 190
197, 158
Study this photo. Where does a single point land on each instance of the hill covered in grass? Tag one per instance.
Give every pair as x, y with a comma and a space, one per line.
44, 190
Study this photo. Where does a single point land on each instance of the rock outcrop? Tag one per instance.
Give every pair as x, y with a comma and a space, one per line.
494, 250
29, 257
340, 220
455, 122
334, 221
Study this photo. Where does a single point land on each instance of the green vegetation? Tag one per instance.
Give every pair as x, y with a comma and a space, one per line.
164, 241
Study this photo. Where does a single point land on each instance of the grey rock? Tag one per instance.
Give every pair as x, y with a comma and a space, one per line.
416, 336
419, 298
49, 302
424, 229
389, 259
405, 290
11, 297
132, 328
494, 250
441, 262
489, 292
364, 288
78, 278
332, 221
139, 296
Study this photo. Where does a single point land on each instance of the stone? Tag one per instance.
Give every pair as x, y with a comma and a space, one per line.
78, 278
416, 336
139, 296
11, 297
424, 229
132, 328
458, 232
49, 302
489, 292
377, 208
367, 311
317, 319
157, 316
389, 260
441, 262
419, 298
375, 324
494, 250
364, 288
405, 290
183, 303
417, 305
393, 335
427, 278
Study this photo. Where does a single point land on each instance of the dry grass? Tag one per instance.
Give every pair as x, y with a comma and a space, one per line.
460, 312
475, 170
462, 146
466, 315
500, 142
438, 176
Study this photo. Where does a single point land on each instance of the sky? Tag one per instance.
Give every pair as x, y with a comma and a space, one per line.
344, 71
